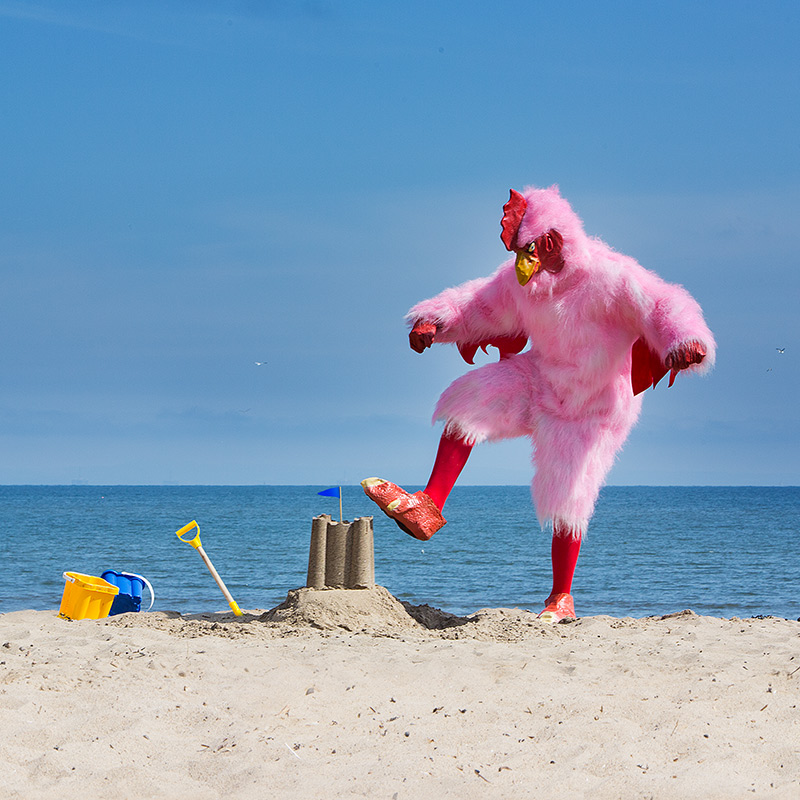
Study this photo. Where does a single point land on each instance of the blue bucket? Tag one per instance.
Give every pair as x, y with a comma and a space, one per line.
131, 587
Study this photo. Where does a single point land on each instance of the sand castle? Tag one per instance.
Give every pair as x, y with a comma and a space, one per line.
342, 554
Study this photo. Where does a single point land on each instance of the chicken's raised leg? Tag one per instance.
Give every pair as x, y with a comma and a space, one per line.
420, 514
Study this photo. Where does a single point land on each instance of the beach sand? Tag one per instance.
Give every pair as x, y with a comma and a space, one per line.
352, 694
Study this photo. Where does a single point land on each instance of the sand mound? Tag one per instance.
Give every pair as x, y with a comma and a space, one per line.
379, 613
373, 611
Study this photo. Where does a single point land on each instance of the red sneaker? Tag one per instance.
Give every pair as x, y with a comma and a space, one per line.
415, 513
558, 608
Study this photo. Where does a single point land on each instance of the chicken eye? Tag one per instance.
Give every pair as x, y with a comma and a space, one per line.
532, 248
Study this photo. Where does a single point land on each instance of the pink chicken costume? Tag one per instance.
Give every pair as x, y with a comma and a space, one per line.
601, 330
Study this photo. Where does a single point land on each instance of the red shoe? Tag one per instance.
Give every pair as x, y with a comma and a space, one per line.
558, 608
415, 513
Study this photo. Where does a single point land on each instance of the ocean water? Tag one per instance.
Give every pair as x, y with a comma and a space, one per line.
721, 551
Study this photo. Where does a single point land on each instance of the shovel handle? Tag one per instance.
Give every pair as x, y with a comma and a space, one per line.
185, 529
214, 574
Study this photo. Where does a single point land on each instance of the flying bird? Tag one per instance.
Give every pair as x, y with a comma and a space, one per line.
781, 349
260, 363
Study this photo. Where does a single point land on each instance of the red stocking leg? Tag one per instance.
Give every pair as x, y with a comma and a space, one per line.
450, 460
564, 552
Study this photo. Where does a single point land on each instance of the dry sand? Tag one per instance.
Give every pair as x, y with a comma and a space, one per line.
352, 694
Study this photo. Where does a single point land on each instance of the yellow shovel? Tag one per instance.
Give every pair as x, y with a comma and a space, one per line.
199, 547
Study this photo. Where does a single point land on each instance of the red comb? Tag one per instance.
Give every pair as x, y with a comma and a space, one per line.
513, 212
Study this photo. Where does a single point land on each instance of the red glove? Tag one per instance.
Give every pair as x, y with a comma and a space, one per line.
685, 355
422, 335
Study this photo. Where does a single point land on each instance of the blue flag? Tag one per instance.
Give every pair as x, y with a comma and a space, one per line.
336, 491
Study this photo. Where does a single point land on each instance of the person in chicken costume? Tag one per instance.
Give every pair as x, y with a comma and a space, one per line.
601, 330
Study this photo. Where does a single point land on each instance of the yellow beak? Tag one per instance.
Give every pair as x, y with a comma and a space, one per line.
526, 267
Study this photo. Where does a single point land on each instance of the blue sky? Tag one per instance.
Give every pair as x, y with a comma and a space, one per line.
187, 188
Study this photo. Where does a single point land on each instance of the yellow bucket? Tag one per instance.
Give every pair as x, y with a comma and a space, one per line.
86, 597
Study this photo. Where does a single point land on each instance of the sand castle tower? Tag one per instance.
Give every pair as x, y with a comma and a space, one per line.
342, 554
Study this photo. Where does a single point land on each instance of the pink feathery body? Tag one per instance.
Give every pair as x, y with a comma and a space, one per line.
570, 391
